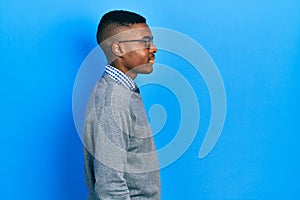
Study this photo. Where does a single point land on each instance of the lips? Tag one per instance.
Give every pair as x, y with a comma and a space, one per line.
151, 59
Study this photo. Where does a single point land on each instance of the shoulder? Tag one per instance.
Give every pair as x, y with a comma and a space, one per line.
108, 93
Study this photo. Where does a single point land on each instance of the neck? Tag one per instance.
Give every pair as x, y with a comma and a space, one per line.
129, 72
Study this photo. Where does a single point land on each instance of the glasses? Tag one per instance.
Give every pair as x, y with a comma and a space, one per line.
148, 41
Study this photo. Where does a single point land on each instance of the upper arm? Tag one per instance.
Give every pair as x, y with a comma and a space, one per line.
111, 140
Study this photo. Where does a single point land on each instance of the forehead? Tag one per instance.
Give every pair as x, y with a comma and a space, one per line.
132, 32
135, 31
139, 28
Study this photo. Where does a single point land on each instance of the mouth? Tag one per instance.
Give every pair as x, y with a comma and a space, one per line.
151, 59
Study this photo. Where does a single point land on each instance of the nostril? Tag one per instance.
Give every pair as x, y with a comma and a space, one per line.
153, 48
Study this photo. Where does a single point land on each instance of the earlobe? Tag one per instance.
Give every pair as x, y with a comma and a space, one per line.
116, 49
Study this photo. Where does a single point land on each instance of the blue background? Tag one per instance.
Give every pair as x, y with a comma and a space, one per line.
256, 46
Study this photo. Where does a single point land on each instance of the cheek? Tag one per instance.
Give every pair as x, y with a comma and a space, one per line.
138, 57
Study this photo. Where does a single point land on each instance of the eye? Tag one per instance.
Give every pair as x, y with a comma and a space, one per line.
148, 40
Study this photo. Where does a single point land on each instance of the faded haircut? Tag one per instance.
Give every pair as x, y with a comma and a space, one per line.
114, 19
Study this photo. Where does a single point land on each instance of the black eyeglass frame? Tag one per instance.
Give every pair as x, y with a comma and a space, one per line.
148, 41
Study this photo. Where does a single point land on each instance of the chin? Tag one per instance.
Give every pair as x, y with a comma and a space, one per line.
145, 69
148, 69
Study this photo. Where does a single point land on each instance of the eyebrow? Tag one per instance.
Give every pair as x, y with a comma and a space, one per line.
137, 40
146, 37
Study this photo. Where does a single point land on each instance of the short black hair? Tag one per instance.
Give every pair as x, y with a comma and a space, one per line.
117, 18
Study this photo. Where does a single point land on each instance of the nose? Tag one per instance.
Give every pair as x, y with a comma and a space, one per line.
153, 48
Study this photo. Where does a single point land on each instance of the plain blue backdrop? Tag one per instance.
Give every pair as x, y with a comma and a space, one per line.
256, 46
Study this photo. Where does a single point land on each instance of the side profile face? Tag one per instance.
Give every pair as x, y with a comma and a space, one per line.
134, 50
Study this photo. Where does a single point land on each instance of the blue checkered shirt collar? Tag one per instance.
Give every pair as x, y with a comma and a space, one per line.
120, 77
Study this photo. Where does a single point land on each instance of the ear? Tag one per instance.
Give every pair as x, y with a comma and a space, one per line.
116, 49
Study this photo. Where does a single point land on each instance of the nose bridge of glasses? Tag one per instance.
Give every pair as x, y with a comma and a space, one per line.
149, 42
